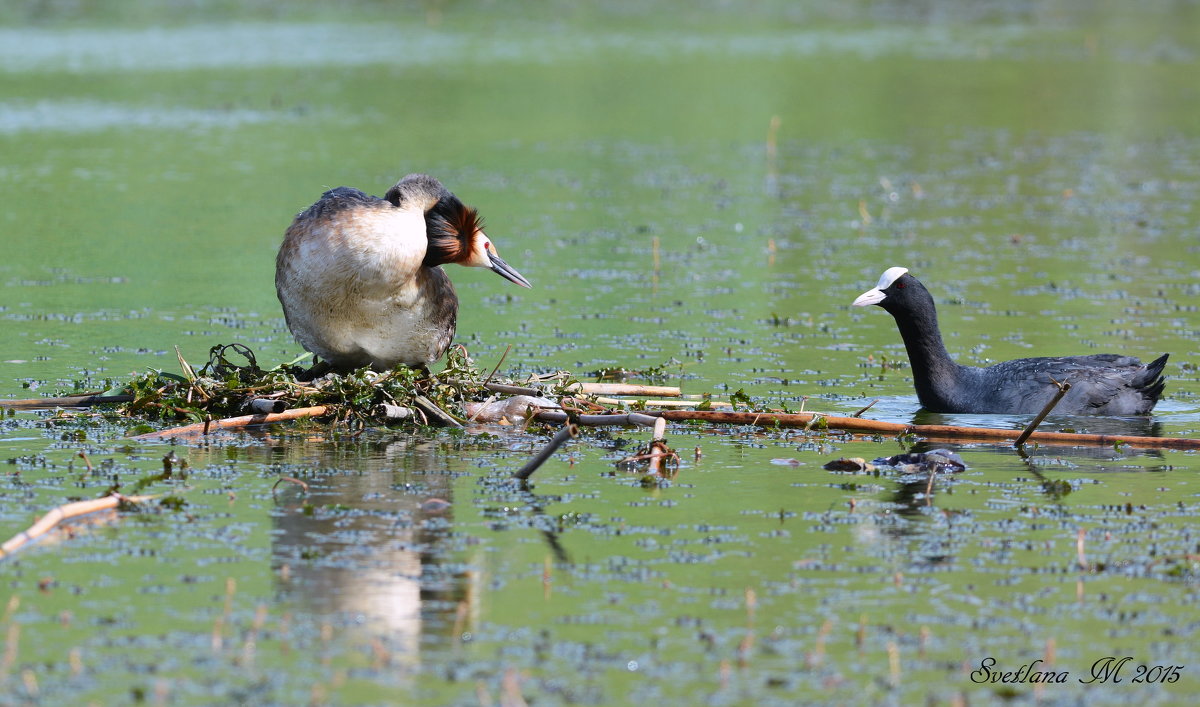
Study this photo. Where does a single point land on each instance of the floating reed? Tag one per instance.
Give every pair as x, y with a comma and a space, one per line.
931, 432
202, 428
70, 401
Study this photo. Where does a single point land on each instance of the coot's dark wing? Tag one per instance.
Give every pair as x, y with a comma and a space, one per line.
1103, 384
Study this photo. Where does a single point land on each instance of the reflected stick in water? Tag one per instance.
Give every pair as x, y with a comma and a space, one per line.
65, 512
1080, 557
569, 431
290, 480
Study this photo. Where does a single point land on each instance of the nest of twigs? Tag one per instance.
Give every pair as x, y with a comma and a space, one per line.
232, 383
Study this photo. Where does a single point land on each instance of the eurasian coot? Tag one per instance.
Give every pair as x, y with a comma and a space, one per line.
1103, 384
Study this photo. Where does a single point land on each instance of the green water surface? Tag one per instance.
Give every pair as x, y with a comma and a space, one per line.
1037, 165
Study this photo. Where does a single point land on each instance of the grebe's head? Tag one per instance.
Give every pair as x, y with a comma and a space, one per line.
454, 230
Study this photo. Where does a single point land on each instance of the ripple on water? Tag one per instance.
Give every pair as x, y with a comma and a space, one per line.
77, 116
260, 45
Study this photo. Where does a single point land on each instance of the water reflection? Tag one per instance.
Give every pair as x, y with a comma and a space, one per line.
371, 544
910, 517
1085, 424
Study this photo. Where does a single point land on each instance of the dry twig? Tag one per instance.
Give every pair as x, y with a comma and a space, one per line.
203, 428
1062, 390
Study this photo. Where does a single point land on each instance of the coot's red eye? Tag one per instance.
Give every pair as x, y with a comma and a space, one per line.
899, 285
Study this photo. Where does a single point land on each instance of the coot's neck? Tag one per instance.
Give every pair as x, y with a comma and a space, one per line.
935, 374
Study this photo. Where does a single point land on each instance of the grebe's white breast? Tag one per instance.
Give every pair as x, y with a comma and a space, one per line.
354, 289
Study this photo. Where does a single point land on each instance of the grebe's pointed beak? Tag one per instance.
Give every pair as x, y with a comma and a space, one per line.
505, 270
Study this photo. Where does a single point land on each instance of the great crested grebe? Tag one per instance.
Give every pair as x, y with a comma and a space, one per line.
360, 277
1101, 384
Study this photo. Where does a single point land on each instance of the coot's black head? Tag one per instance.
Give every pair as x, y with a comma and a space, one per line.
897, 292
453, 229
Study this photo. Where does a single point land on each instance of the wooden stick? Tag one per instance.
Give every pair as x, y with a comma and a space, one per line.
71, 401
1062, 390
512, 389
860, 412
64, 512
591, 389
643, 420
665, 391
567, 432
592, 420
502, 357
202, 428
658, 446
664, 403
435, 413
660, 430
392, 412
931, 432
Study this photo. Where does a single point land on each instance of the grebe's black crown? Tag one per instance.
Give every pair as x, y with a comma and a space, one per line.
421, 189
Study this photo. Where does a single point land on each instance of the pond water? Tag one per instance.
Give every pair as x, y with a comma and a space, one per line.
1037, 165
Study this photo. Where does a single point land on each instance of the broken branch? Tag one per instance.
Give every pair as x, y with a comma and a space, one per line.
1062, 390
931, 432
203, 428
568, 431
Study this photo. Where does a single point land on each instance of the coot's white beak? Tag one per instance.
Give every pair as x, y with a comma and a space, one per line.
876, 295
871, 296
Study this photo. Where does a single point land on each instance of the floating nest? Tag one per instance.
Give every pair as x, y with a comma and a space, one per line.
232, 383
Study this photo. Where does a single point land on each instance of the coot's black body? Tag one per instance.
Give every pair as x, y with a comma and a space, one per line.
1103, 384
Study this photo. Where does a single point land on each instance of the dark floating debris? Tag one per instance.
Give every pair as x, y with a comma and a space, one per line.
849, 464
934, 460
